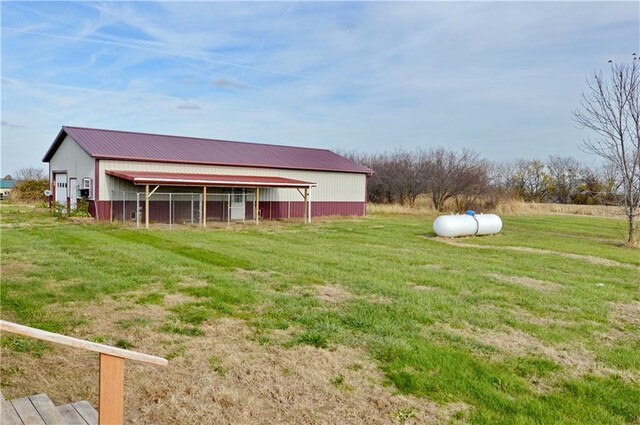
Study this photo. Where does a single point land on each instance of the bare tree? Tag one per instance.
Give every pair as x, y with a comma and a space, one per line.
611, 108
31, 173
598, 187
530, 180
452, 174
565, 178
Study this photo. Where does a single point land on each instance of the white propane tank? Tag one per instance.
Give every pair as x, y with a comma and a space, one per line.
488, 224
467, 224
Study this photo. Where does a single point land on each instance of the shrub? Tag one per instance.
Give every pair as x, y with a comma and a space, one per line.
31, 191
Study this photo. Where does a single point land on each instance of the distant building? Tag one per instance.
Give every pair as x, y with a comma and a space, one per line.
6, 186
120, 173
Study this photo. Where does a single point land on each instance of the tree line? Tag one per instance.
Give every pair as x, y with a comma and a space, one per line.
463, 179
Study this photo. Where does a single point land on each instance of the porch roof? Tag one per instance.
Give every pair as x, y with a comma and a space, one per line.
217, 180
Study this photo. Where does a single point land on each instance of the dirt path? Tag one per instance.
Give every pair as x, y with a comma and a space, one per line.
588, 258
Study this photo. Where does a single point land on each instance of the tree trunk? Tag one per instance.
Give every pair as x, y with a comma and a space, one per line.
633, 230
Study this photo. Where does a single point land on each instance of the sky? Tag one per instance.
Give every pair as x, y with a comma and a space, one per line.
501, 78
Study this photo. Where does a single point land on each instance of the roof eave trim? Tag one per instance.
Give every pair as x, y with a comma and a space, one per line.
54, 146
58, 141
151, 180
368, 172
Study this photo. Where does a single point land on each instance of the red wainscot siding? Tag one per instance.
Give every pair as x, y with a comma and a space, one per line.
103, 210
217, 210
295, 209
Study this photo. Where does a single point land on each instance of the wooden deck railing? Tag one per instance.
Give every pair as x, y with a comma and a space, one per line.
111, 384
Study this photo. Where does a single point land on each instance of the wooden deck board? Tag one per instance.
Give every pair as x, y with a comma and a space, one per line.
71, 415
9, 416
87, 412
46, 409
27, 411
40, 410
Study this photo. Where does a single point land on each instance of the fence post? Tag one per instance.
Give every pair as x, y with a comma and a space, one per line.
204, 207
137, 210
170, 215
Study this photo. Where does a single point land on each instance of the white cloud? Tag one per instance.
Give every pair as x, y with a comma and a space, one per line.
229, 83
189, 106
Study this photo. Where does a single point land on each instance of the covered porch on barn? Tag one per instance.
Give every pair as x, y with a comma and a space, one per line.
178, 198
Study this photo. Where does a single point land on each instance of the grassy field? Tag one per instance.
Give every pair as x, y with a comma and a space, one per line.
359, 320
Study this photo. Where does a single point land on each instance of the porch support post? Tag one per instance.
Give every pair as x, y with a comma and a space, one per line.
308, 191
204, 206
257, 211
146, 206
306, 204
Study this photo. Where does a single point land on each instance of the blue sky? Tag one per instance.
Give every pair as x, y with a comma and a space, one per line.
498, 77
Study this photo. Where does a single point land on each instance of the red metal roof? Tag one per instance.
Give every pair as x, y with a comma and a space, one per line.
125, 145
181, 179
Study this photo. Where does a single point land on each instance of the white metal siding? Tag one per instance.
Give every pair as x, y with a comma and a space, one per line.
331, 186
70, 157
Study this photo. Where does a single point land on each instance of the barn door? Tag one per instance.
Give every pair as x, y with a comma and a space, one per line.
60, 180
237, 204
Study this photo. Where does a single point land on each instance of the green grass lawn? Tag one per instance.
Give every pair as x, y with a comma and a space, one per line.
538, 324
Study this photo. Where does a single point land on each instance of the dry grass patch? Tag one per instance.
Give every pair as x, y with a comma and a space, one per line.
377, 299
424, 206
627, 313
243, 273
576, 359
334, 294
540, 285
172, 300
67, 374
17, 269
424, 288
223, 377
431, 266
191, 282
228, 378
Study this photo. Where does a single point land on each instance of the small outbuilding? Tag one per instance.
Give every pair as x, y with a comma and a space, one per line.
6, 186
178, 179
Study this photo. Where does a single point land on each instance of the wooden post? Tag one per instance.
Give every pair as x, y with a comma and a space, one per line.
111, 395
309, 205
257, 211
204, 206
146, 206
306, 205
